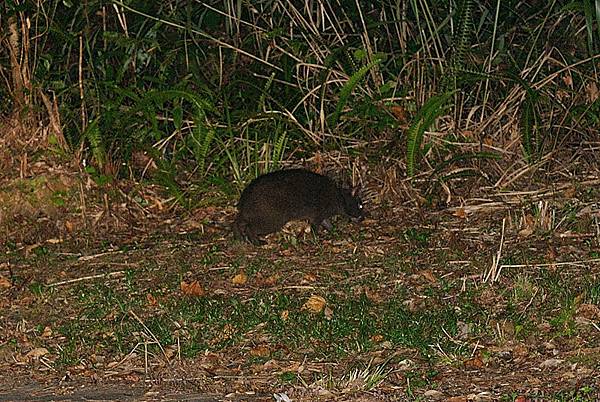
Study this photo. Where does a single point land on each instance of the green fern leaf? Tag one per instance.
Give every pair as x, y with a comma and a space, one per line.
349, 87
426, 116
529, 124
263, 95
202, 138
279, 150
465, 29
94, 137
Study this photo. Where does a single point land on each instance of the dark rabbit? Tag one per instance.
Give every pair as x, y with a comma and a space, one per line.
273, 199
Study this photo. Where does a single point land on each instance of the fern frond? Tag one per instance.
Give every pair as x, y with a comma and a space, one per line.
279, 147
201, 138
480, 75
349, 87
94, 137
529, 125
465, 29
263, 95
169, 94
460, 44
426, 116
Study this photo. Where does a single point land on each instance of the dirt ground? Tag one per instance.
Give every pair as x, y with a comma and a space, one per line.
521, 342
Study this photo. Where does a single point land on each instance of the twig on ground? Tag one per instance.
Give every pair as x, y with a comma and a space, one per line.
86, 278
551, 264
90, 257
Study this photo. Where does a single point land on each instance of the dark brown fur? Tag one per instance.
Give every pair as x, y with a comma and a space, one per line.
273, 199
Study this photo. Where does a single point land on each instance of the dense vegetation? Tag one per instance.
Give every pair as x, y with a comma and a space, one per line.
232, 88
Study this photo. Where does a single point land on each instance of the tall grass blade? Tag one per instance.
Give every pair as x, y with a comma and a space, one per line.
591, 9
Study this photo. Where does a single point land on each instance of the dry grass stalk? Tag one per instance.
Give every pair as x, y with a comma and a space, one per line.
494, 272
55, 124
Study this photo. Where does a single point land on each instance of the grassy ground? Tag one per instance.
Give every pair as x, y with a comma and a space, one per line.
407, 305
476, 279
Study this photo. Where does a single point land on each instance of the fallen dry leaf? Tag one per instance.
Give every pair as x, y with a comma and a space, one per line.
151, 299
47, 333
192, 289
285, 315
520, 351
433, 393
37, 353
592, 93
427, 274
551, 363
457, 399
570, 192
170, 351
260, 351
240, 279
269, 281
315, 304
526, 232
474, 363
4, 283
377, 338
460, 213
399, 113
589, 311
328, 313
